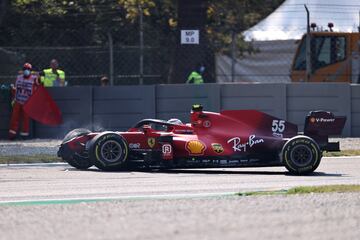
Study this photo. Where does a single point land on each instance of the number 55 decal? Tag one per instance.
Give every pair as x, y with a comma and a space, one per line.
278, 126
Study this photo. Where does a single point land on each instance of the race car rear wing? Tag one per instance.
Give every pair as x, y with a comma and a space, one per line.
319, 125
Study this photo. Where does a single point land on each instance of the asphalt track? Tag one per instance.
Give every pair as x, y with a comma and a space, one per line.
55, 201
60, 183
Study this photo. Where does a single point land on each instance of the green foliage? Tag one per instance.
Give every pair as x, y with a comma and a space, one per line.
58, 23
135, 7
92, 18
45, 7
228, 18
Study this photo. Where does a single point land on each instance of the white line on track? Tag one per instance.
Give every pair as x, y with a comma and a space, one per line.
63, 164
129, 197
56, 164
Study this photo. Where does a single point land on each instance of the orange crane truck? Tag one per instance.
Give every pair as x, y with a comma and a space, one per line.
334, 57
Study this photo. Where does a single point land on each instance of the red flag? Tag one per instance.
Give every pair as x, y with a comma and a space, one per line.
42, 108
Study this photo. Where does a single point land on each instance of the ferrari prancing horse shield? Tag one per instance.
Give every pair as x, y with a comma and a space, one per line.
151, 142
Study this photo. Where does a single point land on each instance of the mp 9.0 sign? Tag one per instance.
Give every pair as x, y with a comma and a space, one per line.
189, 36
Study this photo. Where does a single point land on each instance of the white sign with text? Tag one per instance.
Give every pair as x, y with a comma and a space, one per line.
189, 36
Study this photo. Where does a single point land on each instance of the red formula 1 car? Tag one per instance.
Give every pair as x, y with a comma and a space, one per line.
233, 138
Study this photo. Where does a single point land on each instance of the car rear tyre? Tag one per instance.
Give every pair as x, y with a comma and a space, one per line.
301, 155
109, 151
79, 161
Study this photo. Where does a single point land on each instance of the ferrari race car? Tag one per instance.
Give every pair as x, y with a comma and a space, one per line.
231, 138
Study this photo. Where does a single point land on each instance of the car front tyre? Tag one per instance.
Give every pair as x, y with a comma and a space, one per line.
76, 133
301, 155
109, 151
79, 161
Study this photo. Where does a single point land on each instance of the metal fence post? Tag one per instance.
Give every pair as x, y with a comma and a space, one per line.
141, 36
233, 55
308, 46
111, 59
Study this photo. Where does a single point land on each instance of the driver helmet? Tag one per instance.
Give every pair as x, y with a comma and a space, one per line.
175, 121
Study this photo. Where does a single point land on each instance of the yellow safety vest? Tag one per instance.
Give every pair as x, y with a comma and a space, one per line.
49, 78
195, 77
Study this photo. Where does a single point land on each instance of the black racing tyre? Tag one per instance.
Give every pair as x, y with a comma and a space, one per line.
79, 162
74, 159
109, 151
76, 133
301, 155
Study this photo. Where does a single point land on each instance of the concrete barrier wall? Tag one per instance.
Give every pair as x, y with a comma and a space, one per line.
302, 98
269, 98
355, 110
118, 108
175, 101
75, 104
5, 111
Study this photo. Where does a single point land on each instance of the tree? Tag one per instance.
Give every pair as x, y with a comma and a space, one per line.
188, 57
229, 18
3, 9
87, 22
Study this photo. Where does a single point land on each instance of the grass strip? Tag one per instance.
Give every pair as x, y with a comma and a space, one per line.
38, 158
259, 193
342, 153
324, 189
306, 190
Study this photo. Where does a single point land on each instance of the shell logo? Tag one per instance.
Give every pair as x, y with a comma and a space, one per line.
195, 147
